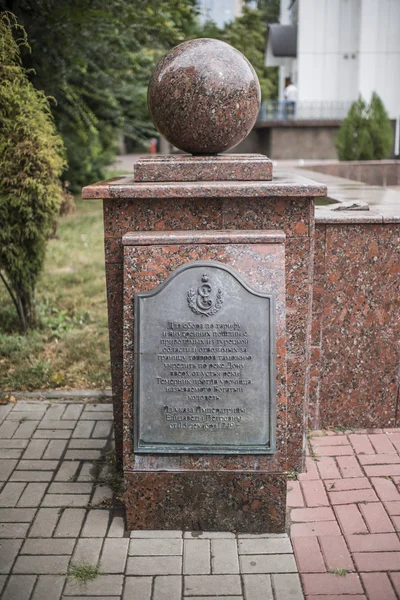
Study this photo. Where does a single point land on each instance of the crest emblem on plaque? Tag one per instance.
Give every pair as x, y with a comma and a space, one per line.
205, 301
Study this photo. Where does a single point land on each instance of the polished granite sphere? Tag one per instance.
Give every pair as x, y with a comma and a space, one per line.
204, 96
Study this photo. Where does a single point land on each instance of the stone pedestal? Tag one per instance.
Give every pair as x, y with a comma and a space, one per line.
150, 229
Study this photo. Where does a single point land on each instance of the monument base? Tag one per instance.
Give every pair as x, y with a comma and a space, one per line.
247, 502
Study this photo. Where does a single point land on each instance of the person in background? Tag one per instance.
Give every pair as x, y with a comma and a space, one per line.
290, 94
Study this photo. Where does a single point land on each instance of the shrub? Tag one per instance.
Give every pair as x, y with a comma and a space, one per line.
366, 132
31, 161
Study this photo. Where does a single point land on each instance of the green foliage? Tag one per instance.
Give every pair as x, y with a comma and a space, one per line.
95, 59
31, 160
83, 572
366, 132
248, 34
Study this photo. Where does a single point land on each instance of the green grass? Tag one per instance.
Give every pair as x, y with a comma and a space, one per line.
69, 349
339, 572
83, 572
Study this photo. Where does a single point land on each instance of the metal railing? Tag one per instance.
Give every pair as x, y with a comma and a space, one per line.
274, 110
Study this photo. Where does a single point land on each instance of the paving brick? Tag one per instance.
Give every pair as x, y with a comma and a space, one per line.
337, 597
48, 587
376, 517
335, 553
137, 588
44, 523
349, 466
103, 585
72, 412
267, 563
37, 465
6, 468
361, 444
396, 523
83, 429
219, 585
55, 449
97, 416
167, 588
378, 586
24, 430
392, 508
51, 434
71, 487
99, 407
385, 489
82, 454
308, 555
16, 515
395, 579
96, 523
6, 453
329, 440
47, 546
382, 470
294, 495
311, 471
8, 428
378, 459
353, 496
102, 429
54, 425
196, 557
154, 565
8, 552
25, 415
334, 451
67, 471
87, 472
158, 534
70, 500
35, 449
307, 515
382, 444
13, 530
373, 542
114, 555
351, 483
70, 522
16, 444
327, 583
11, 494
101, 494
19, 587
327, 468
287, 587
155, 547
350, 519
117, 527
41, 565
31, 476
224, 556
87, 444
317, 528
314, 493
87, 551
265, 546
4, 410
377, 561
55, 412
210, 535
32, 494
258, 587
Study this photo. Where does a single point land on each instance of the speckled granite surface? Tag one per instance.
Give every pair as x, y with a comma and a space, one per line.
248, 490
204, 96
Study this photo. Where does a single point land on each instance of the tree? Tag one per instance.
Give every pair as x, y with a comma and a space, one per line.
248, 34
366, 132
31, 160
95, 59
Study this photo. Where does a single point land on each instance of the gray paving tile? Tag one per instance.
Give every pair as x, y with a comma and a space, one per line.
86, 472
117, 527
13, 530
41, 565
70, 522
26, 415
97, 415
103, 585
70, 500
8, 553
55, 449
147, 533
96, 523
67, 471
52, 434
114, 555
71, 487
31, 476
20, 444
196, 557
83, 454
35, 449
137, 588
167, 588
99, 407
6, 468
16, 515
37, 465
8, 428
32, 494
209, 535
72, 412
101, 494
217, 585
44, 523
258, 587
11, 494
267, 563
83, 429
46, 424
265, 546
224, 556
48, 587
154, 565
55, 411
6, 453
102, 429
86, 444
47, 546
4, 410
87, 551
287, 587
155, 547
19, 587
25, 430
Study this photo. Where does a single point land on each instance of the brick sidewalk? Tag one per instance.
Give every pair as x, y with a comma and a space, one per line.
54, 513
345, 515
